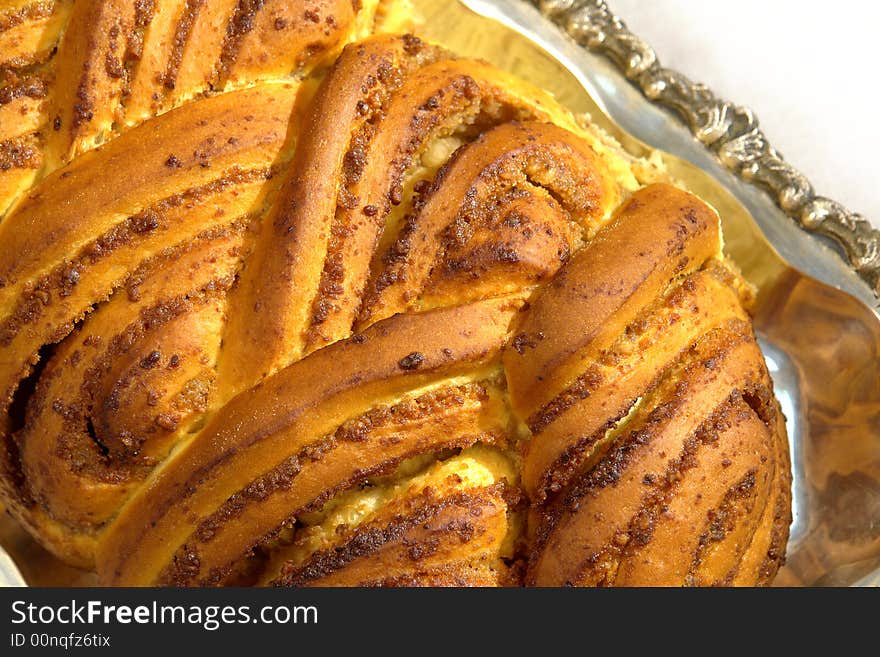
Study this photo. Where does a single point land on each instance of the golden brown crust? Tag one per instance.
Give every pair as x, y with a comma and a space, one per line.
487, 209
277, 420
81, 73
660, 460
401, 322
426, 532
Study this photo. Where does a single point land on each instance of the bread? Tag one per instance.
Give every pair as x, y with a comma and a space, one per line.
279, 310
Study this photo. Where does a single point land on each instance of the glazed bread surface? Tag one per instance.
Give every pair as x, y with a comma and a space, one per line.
285, 304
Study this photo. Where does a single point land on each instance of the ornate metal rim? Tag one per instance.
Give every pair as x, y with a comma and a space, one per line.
730, 130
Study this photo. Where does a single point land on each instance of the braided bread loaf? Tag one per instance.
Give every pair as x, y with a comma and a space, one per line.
400, 322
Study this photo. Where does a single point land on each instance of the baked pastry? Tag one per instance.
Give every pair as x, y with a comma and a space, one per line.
399, 321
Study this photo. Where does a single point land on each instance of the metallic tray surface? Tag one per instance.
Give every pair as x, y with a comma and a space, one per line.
731, 131
816, 314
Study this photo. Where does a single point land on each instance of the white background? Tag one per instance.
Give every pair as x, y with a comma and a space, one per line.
810, 70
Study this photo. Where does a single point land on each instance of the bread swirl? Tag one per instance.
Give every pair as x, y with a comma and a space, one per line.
402, 321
